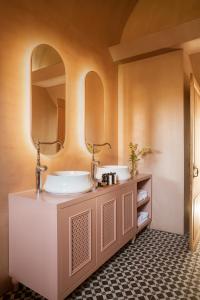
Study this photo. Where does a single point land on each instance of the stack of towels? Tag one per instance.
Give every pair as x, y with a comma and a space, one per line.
142, 216
141, 195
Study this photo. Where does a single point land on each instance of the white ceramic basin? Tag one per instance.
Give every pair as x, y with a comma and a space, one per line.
121, 171
68, 182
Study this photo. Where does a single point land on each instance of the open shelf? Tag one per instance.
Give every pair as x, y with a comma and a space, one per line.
143, 224
145, 205
142, 202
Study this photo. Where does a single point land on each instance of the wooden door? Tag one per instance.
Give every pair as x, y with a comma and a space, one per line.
194, 163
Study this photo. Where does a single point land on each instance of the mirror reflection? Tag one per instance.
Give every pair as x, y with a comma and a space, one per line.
94, 109
48, 97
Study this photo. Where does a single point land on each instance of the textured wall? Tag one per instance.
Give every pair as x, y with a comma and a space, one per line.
151, 113
153, 16
25, 24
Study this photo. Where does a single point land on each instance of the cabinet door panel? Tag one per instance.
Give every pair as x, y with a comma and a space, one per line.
108, 223
107, 234
77, 243
128, 214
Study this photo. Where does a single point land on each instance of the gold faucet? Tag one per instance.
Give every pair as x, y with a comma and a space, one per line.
95, 163
39, 168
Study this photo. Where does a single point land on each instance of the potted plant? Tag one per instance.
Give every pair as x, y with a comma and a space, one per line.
135, 155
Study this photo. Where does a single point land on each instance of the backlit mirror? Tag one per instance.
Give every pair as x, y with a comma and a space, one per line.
48, 97
94, 109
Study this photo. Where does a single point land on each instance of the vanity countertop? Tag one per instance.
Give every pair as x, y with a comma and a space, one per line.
62, 201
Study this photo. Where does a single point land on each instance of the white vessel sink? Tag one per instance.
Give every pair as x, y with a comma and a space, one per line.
121, 171
68, 182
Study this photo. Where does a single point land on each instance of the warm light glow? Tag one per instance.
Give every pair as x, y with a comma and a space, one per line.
81, 109
27, 97
120, 125
26, 87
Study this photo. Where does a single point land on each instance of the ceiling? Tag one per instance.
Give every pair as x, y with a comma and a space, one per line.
113, 22
101, 21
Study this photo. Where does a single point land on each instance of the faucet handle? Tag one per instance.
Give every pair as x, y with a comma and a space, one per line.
100, 145
96, 163
41, 168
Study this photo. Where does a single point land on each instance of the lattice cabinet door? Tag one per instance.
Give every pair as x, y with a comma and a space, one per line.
107, 233
77, 241
127, 214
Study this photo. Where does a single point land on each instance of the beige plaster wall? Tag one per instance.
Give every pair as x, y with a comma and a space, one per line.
24, 25
151, 112
56, 92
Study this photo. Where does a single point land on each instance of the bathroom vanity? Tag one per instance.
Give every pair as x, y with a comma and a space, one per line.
56, 242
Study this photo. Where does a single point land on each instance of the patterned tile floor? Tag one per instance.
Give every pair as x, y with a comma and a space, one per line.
158, 265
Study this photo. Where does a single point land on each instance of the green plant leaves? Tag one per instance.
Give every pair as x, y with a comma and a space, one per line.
136, 154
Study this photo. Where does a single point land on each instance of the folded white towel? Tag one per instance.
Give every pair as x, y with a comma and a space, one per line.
141, 221
141, 195
142, 216
143, 213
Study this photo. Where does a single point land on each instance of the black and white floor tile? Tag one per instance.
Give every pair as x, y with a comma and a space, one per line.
158, 265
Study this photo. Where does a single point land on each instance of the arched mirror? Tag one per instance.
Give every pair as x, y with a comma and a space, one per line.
48, 97
94, 109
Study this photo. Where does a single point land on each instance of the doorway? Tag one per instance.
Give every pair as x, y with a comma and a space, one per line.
194, 162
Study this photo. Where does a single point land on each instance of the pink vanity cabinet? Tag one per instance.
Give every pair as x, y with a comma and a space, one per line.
115, 221
56, 242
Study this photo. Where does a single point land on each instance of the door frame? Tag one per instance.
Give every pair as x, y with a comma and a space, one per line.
193, 87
